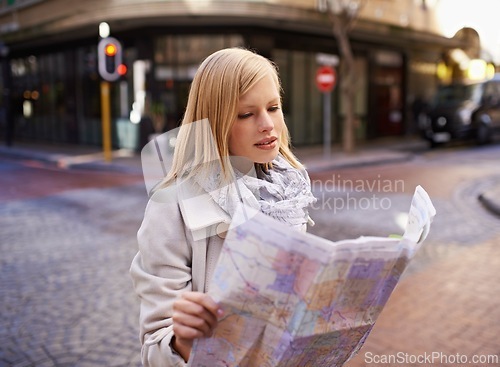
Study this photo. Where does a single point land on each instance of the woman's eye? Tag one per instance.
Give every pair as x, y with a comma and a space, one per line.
244, 115
273, 108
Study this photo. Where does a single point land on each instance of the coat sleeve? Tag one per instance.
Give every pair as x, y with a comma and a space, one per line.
160, 272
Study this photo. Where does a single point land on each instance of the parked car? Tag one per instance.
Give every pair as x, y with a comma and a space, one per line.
463, 111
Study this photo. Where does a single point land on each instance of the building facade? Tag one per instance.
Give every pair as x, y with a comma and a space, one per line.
50, 80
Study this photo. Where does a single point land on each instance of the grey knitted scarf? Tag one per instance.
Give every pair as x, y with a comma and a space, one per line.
282, 192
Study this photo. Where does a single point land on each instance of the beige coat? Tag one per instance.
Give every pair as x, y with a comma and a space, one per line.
174, 256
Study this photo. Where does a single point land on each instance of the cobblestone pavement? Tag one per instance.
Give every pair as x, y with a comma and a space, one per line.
66, 294
445, 316
445, 310
67, 300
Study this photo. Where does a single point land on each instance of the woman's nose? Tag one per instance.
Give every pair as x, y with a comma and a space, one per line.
265, 122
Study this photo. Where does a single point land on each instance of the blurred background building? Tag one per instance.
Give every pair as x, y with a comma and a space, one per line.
50, 83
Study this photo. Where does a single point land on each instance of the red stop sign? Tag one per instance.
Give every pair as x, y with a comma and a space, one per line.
326, 78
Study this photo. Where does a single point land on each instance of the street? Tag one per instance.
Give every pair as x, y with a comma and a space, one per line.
453, 177
68, 237
66, 248
444, 312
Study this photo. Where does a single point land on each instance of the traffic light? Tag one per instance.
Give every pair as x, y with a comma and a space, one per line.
109, 52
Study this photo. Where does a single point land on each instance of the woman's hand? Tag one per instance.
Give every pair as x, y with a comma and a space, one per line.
195, 316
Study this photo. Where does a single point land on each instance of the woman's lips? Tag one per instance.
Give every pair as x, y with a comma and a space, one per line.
267, 144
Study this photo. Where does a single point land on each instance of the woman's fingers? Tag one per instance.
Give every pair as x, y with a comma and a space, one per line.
204, 300
198, 323
187, 333
195, 315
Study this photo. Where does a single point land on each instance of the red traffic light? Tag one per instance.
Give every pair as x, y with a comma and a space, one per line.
121, 69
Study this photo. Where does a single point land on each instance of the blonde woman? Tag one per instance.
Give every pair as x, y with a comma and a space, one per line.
233, 110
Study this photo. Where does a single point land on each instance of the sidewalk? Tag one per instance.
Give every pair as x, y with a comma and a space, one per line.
461, 324
382, 151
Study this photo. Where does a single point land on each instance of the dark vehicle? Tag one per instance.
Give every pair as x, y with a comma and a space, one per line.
463, 111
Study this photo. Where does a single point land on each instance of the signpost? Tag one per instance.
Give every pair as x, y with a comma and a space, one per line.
326, 79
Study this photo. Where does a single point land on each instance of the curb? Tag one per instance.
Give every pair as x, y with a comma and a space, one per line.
103, 167
489, 202
353, 163
30, 154
63, 161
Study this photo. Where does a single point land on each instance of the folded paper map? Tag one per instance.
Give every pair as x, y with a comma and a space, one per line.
295, 299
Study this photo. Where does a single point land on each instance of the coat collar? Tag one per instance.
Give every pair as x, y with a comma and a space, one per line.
202, 215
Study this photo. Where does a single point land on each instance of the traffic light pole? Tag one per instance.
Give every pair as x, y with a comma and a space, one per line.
106, 120
110, 67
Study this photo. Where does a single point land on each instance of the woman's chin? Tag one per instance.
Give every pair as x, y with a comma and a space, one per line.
267, 159
261, 157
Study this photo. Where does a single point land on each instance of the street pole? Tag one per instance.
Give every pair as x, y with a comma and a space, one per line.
327, 120
326, 77
106, 120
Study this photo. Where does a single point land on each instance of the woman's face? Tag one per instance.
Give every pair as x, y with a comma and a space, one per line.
257, 129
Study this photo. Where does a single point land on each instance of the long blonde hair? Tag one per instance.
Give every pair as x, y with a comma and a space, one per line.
220, 81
